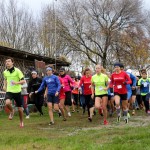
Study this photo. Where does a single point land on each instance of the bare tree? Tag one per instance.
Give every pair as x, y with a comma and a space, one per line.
16, 26
92, 24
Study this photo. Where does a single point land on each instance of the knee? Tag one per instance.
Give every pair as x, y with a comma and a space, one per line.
97, 106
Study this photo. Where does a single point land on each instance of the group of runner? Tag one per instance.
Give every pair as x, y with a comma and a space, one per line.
101, 91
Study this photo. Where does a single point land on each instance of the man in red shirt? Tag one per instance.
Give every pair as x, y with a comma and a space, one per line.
119, 79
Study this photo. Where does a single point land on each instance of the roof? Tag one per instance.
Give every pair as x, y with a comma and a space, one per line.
6, 51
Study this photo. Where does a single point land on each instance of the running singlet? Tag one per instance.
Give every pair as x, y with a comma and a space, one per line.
86, 82
144, 86
100, 82
75, 87
119, 82
15, 76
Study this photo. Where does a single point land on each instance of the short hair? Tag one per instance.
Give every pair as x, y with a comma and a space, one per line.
10, 59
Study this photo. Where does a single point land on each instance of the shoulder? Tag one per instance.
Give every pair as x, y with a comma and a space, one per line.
17, 69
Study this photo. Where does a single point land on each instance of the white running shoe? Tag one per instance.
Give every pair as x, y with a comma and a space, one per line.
27, 117
69, 114
11, 115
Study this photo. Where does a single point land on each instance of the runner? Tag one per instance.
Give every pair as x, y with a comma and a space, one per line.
53, 87
13, 78
85, 81
132, 88
33, 86
75, 94
100, 86
24, 96
66, 83
144, 85
119, 80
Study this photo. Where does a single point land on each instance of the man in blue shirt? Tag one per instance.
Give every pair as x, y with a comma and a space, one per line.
52, 84
132, 90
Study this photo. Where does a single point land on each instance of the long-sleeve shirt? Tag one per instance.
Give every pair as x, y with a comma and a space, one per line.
133, 79
52, 83
119, 81
66, 82
86, 82
34, 85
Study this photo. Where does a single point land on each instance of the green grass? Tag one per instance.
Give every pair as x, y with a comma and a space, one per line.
74, 134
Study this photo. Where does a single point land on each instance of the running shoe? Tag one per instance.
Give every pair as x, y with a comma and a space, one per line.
94, 113
64, 119
133, 112
83, 112
11, 115
51, 123
118, 118
77, 110
73, 111
100, 112
27, 117
105, 122
21, 125
90, 119
126, 120
59, 114
128, 115
69, 114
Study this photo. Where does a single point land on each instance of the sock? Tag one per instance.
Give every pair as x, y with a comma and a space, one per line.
118, 110
133, 105
125, 112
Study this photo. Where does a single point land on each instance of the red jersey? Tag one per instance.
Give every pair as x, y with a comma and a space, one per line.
119, 82
86, 81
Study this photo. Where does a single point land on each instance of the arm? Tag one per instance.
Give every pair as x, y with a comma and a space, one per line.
107, 83
5, 85
133, 78
45, 93
58, 84
127, 79
92, 88
43, 84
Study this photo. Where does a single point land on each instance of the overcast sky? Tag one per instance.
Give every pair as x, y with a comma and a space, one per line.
35, 5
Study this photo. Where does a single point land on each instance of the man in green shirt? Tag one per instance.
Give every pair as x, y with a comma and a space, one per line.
13, 78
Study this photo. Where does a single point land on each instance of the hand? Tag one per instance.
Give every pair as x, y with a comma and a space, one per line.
125, 82
30, 94
14, 83
56, 94
36, 92
92, 96
45, 95
105, 89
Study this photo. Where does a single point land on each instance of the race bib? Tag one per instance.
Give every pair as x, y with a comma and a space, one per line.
145, 84
119, 86
100, 88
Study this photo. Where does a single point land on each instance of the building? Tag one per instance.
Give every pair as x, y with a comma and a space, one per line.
26, 61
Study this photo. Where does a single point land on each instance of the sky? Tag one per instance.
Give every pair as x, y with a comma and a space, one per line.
36, 5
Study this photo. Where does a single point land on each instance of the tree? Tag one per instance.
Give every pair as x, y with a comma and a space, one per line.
90, 25
16, 26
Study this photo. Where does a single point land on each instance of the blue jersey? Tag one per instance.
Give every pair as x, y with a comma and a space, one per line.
52, 83
144, 86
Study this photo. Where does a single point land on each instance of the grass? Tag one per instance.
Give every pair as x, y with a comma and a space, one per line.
74, 134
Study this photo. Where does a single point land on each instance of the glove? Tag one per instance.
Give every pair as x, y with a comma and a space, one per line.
125, 83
